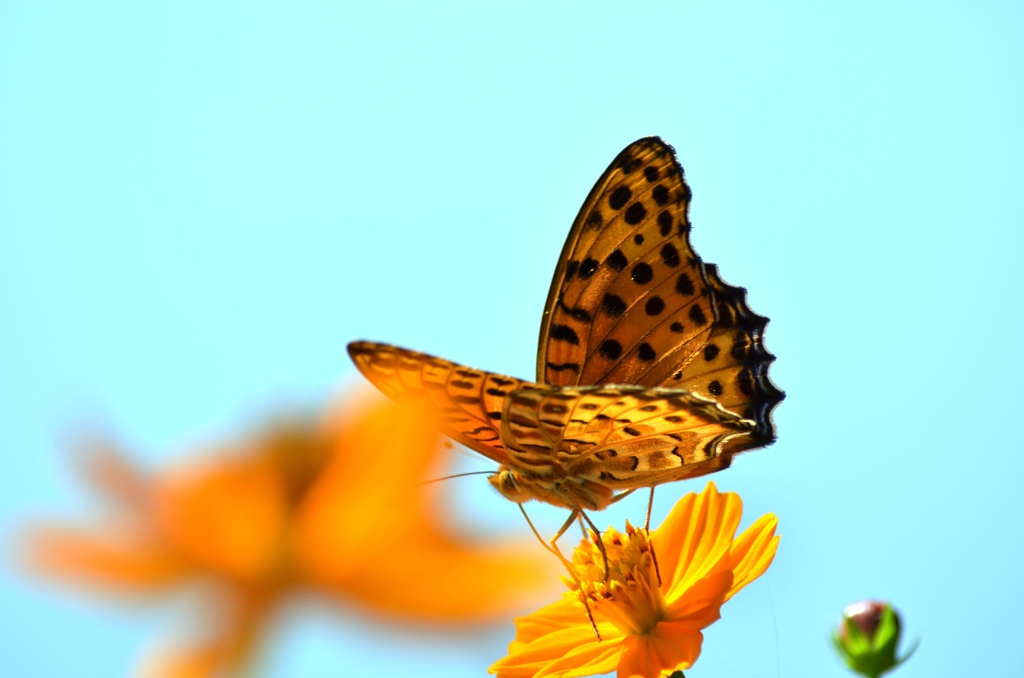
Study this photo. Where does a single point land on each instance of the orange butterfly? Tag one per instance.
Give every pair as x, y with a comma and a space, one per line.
650, 368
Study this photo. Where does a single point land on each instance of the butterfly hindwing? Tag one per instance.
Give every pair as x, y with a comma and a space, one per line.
629, 302
468, 402
621, 437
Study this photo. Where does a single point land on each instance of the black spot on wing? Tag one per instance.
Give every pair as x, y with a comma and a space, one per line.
629, 163
619, 197
635, 214
613, 305
684, 285
588, 268
696, 314
664, 223
654, 306
616, 260
660, 195
576, 313
611, 349
565, 333
642, 273
670, 255
646, 352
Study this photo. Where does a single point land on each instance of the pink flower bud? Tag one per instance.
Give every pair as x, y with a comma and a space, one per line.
867, 636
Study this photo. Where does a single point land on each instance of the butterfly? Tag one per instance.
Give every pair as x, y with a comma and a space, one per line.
650, 368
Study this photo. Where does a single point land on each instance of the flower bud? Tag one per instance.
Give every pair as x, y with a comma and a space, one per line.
867, 636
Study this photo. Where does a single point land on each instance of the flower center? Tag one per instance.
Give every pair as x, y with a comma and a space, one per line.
630, 596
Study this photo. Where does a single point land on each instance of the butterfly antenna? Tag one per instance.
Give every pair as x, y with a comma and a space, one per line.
457, 475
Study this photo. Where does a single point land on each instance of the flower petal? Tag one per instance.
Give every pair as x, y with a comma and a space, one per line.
224, 514
436, 577
752, 552
592, 660
237, 627
696, 534
668, 648
560, 614
379, 454
121, 559
699, 605
569, 648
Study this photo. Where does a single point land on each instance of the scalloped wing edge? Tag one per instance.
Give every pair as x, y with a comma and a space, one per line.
767, 394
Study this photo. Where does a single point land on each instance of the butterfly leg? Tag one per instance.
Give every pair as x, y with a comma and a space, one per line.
622, 495
558, 535
552, 546
647, 529
650, 506
599, 541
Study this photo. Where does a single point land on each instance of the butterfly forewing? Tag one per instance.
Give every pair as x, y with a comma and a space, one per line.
468, 402
629, 303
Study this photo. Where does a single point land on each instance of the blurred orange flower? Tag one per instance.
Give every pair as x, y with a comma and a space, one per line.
331, 507
648, 629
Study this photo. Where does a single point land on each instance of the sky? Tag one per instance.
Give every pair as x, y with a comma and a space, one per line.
202, 203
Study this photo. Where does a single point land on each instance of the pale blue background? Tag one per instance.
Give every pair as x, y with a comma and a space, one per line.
202, 203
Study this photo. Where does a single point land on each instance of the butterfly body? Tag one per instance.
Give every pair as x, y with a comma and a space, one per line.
650, 368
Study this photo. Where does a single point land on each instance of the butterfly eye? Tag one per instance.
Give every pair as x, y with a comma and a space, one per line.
504, 482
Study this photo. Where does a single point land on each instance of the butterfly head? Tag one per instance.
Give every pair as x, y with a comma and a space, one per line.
511, 485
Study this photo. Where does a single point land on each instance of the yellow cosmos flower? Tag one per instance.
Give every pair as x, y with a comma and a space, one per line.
660, 592
333, 508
